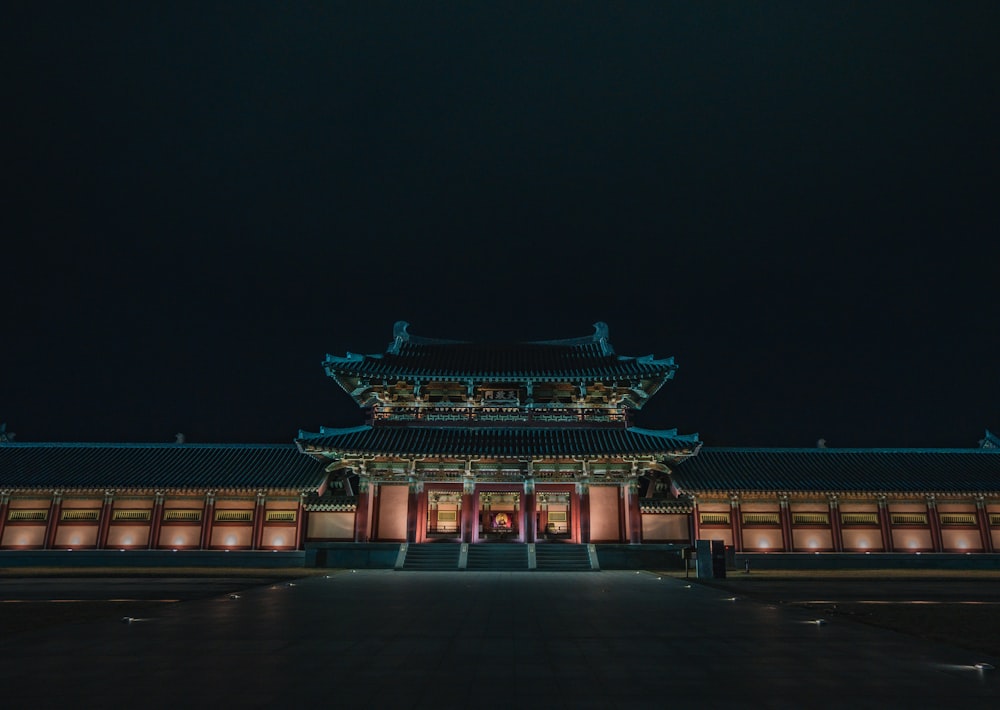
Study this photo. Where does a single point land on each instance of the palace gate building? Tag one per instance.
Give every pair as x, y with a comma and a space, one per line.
524, 448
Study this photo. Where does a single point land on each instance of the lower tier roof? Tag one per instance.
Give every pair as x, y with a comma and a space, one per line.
499, 442
163, 466
840, 470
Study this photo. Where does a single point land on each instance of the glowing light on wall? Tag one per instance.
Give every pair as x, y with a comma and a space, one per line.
762, 543
75, 540
127, 540
178, 540
813, 544
278, 541
231, 540
863, 543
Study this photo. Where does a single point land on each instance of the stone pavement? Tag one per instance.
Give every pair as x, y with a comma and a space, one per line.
486, 639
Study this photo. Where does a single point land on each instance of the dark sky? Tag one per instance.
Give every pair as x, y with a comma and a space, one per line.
797, 200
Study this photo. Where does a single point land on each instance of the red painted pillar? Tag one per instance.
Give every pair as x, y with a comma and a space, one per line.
207, 519
376, 504
362, 510
787, 541
422, 515
4, 504
528, 512
470, 513
104, 523
982, 517
154, 524
835, 527
935, 521
301, 523
883, 522
53, 524
412, 503
736, 523
695, 521
584, 512
257, 536
634, 512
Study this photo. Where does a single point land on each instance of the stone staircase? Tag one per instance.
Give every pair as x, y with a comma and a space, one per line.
562, 558
434, 556
498, 558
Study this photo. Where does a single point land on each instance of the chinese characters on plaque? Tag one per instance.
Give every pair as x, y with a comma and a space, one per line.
498, 395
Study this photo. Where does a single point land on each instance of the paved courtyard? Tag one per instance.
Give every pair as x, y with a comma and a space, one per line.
491, 639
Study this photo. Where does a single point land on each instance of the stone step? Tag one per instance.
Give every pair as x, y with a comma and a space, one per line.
498, 558
432, 556
562, 558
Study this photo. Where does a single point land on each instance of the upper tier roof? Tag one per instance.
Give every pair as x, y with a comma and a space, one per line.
501, 442
574, 359
163, 466
841, 470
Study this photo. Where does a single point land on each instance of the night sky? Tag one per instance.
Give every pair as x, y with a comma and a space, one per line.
797, 200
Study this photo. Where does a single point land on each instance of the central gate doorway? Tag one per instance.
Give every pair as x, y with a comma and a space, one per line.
500, 516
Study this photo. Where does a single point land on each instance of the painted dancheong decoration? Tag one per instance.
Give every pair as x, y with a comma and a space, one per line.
497, 443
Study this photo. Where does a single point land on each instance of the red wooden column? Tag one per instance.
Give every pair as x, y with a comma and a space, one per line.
528, 511
154, 524
53, 524
935, 521
883, 523
584, 504
362, 510
104, 522
301, 522
258, 521
982, 518
695, 521
835, 528
469, 511
207, 519
634, 512
376, 493
412, 505
4, 504
736, 523
787, 541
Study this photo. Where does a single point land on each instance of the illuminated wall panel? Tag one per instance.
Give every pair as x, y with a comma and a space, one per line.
807, 540
128, 535
762, 539
23, 536
665, 528
69, 535
180, 536
965, 540
866, 540
330, 526
915, 540
228, 536
283, 536
604, 514
392, 512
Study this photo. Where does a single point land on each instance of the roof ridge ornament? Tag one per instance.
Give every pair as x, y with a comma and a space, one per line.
399, 336
602, 336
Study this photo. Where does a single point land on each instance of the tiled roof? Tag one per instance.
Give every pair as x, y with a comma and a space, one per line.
163, 466
410, 357
503, 442
869, 470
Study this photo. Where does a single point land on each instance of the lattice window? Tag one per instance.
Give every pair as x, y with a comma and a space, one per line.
233, 516
811, 518
859, 518
713, 518
958, 518
760, 519
131, 515
77, 514
26, 515
909, 518
176, 515
280, 516
995, 519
